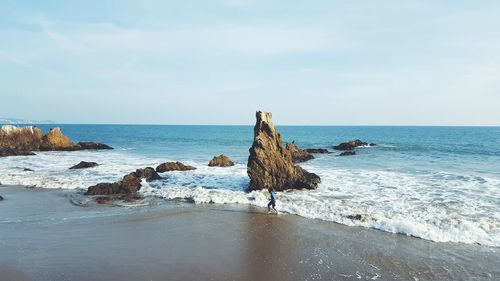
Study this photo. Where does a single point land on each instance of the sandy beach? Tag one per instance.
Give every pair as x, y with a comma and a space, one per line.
45, 237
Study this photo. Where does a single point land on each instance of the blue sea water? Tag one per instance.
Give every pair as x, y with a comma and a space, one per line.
437, 183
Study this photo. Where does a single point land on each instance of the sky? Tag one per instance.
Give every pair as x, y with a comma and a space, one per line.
217, 62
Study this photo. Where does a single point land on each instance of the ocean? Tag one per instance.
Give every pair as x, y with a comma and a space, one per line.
435, 183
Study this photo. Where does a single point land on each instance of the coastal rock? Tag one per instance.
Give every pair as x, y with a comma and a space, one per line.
55, 140
220, 161
173, 166
317, 150
123, 197
147, 173
298, 155
270, 164
350, 145
27, 170
93, 145
19, 140
16, 141
83, 165
347, 153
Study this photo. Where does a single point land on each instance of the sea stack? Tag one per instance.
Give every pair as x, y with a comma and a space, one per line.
270, 163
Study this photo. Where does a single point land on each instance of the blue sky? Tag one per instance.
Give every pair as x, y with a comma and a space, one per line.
217, 62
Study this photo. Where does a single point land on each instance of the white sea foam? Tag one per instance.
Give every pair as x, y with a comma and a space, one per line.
437, 206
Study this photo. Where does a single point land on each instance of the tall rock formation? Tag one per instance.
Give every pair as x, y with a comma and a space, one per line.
270, 163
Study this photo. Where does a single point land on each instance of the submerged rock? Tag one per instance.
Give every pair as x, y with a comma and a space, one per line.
130, 183
347, 153
93, 145
173, 166
220, 161
270, 164
298, 155
83, 165
317, 150
351, 145
123, 197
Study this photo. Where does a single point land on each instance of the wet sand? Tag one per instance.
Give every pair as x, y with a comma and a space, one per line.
45, 237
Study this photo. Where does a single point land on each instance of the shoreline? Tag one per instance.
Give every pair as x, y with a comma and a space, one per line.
169, 240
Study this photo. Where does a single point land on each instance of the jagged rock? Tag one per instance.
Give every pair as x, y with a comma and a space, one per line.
55, 140
147, 173
130, 183
298, 155
93, 145
270, 164
27, 170
350, 145
173, 166
317, 150
83, 165
220, 161
347, 153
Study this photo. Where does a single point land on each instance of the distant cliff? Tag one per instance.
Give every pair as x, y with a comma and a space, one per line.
12, 121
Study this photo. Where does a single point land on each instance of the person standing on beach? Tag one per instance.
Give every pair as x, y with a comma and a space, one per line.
272, 203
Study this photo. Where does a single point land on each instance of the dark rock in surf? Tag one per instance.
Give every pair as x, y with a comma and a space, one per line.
123, 197
27, 170
220, 161
147, 173
1, 198
173, 166
93, 145
318, 150
130, 183
4, 152
347, 153
350, 145
298, 155
270, 164
84, 165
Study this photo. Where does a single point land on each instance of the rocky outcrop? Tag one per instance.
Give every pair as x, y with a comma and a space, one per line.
270, 164
347, 153
19, 140
220, 161
84, 165
318, 150
130, 183
298, 155
173, 166
15, 141
352, 144
93, 145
